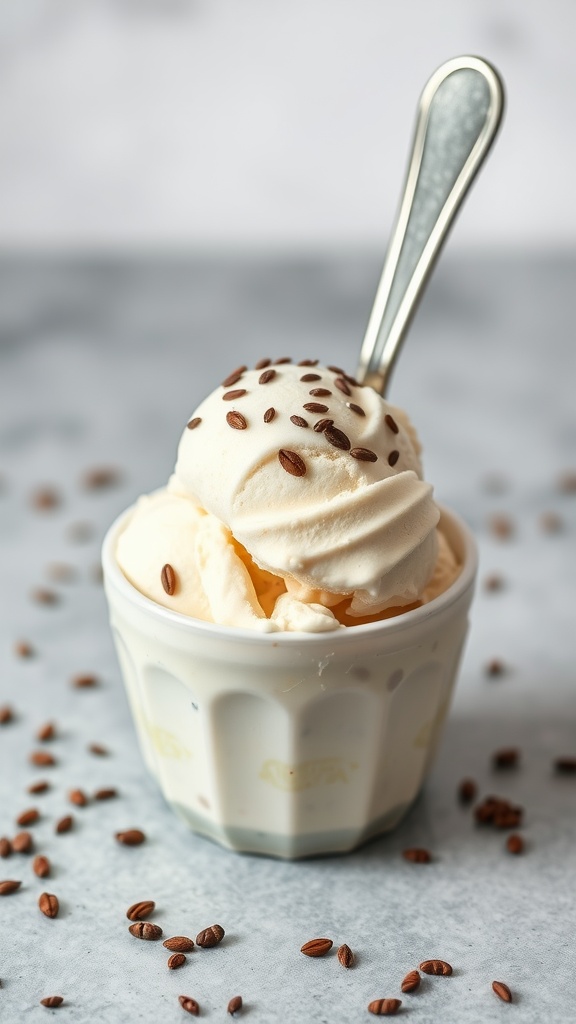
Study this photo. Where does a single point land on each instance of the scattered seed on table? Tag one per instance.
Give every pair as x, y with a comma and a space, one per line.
78, 797
384, 1007
131, 837
439, 967
98, 750
210, 936
467, 791
502, 991
515, 843
501, 526
411, 982
5, 847
100, 477
417, 855
499, 812
494, 583
23, 842
49, 904
179, 944
44, 498
146, 930
39, 787
24, 650
345, 955
234, 1005
64, 824
41, 866
52, 1002
29, 817
42, 759
84, 682
189, 1004
43, 595
139, 911
175, 961
106, 794
495, 668
508, 757
9, 886
46, 732
316, 947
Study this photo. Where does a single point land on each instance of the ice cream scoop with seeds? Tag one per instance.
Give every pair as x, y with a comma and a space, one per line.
297, 503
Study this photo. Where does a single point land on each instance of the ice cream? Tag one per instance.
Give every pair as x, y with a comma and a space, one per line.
297, 504
297, 512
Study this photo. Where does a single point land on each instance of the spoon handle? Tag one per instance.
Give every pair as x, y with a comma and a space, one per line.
458, 117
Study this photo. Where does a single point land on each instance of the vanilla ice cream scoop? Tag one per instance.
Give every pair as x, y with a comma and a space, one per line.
319, 479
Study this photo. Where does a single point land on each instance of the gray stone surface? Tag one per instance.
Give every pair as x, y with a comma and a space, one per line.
101, 363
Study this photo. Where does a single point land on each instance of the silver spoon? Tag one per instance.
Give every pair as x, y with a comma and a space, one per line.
458, 117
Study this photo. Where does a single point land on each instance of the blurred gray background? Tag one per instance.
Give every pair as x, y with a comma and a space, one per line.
268, 123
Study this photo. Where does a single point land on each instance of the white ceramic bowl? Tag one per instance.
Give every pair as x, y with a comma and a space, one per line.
290, 744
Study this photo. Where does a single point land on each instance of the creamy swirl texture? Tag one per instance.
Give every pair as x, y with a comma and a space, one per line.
296, 491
